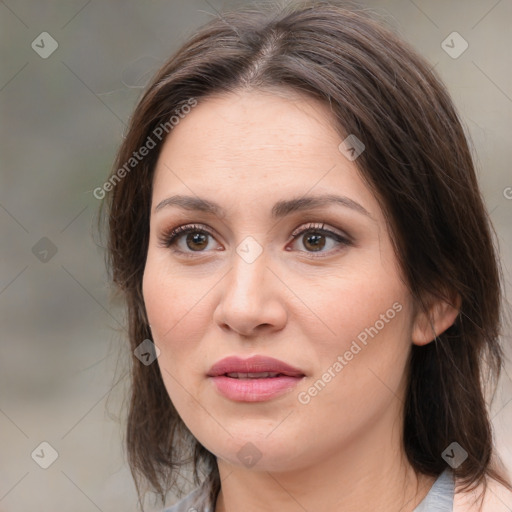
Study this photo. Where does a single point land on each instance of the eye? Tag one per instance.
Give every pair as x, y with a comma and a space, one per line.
188, 238
315, 238
196, 238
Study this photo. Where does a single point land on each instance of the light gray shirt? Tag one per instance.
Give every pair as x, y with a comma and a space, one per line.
438, 499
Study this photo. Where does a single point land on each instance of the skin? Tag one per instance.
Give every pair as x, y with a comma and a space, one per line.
342, 450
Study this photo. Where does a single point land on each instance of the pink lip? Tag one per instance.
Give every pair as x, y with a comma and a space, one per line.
253, 389
253, 364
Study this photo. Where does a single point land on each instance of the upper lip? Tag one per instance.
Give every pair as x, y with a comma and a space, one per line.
254, 364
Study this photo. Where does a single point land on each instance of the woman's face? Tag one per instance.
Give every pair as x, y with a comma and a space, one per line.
288, 257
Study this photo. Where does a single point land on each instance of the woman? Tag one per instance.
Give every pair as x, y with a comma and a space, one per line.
295, 222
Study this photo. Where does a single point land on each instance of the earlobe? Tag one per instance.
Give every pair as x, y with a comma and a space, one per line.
440, 316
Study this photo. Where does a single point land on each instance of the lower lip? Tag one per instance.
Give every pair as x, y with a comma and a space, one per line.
254, 390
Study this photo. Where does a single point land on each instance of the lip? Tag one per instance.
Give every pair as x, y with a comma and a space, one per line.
254, 364
253, 389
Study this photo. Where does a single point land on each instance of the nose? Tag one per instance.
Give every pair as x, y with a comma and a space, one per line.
252, 300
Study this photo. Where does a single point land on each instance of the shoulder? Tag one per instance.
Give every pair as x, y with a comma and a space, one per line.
496, 498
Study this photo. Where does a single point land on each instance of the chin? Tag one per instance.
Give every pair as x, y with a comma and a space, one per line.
258, 453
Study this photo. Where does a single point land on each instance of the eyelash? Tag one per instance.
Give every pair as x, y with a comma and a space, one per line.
169, 238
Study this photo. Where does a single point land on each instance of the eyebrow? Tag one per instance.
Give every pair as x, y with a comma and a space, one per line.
279, 210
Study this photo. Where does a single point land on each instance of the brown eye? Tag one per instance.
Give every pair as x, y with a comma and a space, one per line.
189, 239
196, 241
314, 242
315, 238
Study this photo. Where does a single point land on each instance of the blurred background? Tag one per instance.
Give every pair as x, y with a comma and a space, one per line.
70, 75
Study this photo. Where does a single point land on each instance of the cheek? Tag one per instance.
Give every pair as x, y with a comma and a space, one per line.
358, 302
362, 360
168, 297
365, 370
160, 301
178, 313
166, 302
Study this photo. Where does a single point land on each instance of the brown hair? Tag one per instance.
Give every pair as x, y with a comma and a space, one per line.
418, 164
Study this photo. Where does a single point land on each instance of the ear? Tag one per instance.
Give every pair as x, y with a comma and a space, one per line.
440, 316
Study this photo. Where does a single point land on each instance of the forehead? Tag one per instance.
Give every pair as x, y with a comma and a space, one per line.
252, 145
259, 121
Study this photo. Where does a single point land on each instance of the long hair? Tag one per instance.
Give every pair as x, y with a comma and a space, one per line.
418, 164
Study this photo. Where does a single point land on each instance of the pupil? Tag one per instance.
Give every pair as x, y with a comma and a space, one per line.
316, 242
198, 241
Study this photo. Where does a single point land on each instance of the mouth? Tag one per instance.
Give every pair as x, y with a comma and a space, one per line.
260, 375
256, 379
253, 368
